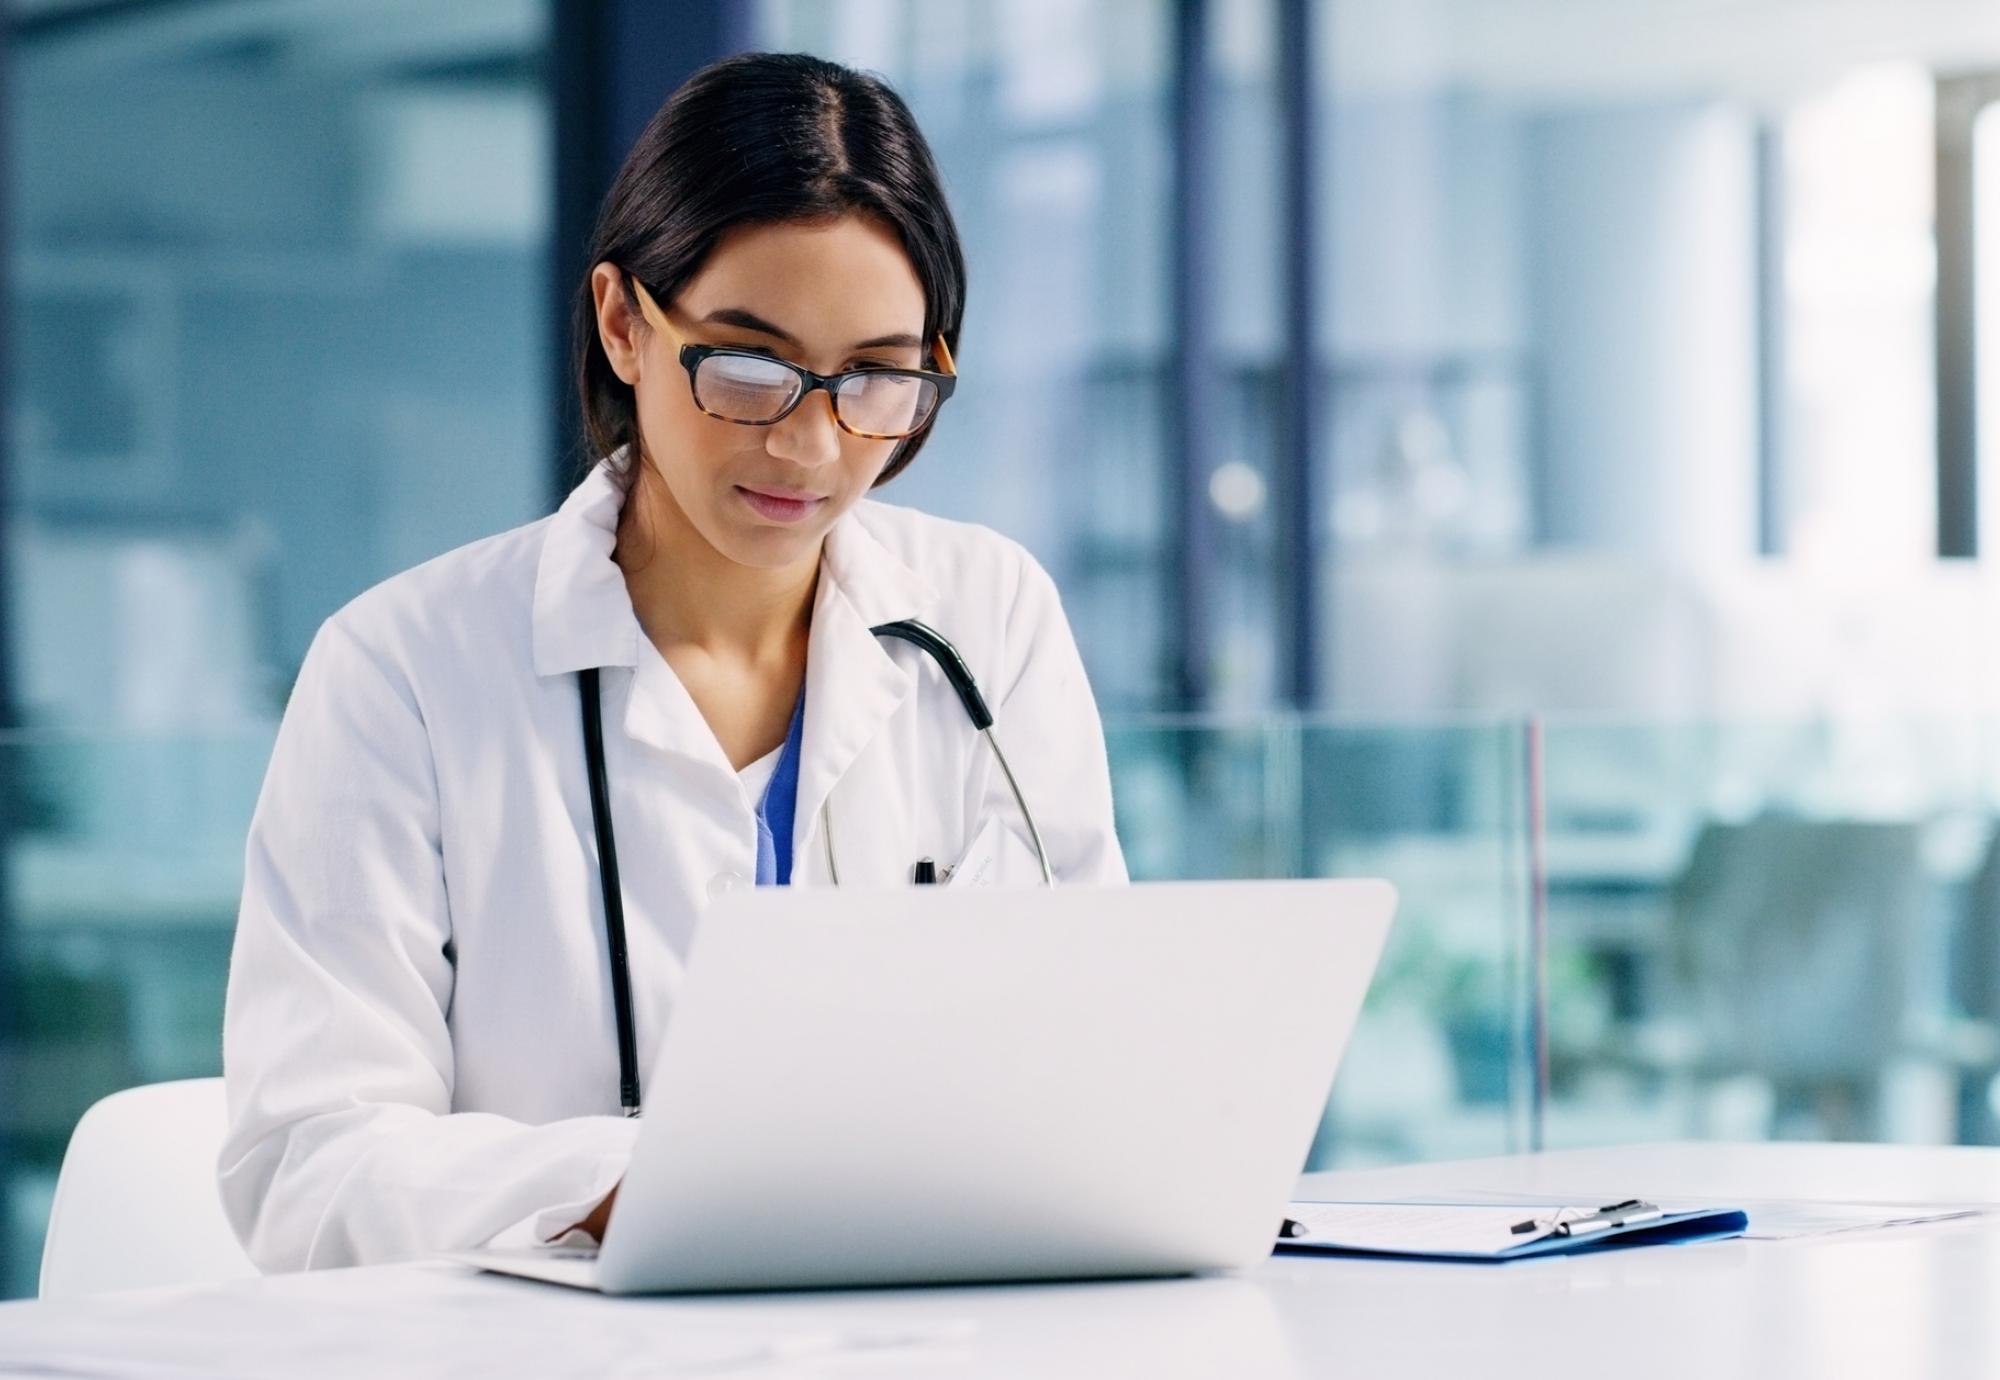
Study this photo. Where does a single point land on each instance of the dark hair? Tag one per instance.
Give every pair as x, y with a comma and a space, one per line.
756, 139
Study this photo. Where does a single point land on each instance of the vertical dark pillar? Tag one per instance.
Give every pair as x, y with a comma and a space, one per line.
1958, 103
1191, 399
611, 64
1773, 504
1299, 529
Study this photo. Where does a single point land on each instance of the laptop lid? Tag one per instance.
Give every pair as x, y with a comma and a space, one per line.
932, 1084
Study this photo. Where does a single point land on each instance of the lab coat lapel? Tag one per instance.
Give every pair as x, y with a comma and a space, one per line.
660, 713
853, 685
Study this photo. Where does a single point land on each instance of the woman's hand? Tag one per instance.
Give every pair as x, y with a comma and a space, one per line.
600, 1215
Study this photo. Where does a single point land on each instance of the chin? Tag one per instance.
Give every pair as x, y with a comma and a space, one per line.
773, 548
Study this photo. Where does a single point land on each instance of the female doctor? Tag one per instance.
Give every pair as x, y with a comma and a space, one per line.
422, 1038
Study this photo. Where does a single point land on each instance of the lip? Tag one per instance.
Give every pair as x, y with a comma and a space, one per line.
780, 504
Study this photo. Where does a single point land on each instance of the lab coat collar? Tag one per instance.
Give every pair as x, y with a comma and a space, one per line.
873, 582
583, 616
583, 612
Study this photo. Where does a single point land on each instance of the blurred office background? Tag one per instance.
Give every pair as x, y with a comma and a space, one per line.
1540, 451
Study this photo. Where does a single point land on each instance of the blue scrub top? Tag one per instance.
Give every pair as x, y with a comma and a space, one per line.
779, 805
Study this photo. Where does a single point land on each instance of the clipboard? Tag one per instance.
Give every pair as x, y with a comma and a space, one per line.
1494, 1232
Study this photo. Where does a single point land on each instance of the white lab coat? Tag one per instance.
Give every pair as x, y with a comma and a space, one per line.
419, 1040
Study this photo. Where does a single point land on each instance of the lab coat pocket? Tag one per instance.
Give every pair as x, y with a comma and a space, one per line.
999, 855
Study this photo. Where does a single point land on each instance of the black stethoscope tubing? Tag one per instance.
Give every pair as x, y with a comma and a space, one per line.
910, 630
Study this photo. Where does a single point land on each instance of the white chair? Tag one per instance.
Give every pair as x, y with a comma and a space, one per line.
136, 1204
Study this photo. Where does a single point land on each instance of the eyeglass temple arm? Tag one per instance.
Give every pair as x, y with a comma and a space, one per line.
650, 309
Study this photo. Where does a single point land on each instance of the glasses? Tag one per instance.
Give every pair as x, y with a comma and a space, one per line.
739, 385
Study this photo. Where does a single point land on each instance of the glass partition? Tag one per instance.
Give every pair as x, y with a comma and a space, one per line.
123, 861
1778, 930
122, 865
1752, 930
1438, 1067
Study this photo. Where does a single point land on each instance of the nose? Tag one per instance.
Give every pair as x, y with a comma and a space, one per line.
809, 436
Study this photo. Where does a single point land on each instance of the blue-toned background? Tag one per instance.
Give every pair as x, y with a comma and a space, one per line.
1535, 450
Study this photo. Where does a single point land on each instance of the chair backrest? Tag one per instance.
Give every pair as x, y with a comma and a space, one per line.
1799, 939
136, 1203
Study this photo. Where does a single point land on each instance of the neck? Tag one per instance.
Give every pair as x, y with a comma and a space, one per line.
689, 595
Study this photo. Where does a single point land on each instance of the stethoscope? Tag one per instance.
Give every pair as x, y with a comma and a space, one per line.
909, 630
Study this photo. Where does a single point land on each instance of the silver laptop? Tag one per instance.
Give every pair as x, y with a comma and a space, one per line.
946, 1084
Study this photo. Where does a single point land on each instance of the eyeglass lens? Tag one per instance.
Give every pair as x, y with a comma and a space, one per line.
744, 388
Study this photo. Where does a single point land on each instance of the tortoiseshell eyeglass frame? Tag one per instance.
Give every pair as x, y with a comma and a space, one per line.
691, 355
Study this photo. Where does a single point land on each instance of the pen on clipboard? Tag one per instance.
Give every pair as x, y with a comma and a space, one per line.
1586, 1222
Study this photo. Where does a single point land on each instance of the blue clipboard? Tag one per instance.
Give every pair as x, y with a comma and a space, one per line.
1494, 1232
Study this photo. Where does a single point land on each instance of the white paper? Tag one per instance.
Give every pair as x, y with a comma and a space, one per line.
1780, 1221
1771, 1219
1413, 1227
977, 865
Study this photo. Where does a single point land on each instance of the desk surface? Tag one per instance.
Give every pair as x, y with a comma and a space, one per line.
1915, 1301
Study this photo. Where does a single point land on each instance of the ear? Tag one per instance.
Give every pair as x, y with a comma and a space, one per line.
619, 327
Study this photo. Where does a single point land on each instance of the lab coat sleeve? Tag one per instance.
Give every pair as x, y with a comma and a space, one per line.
1047, 722
341, 1147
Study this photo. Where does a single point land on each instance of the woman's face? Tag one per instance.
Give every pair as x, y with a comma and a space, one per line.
764, 496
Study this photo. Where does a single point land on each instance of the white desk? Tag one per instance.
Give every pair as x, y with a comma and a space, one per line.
1916, 1301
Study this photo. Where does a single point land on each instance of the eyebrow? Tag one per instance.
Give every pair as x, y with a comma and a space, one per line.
750, 321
